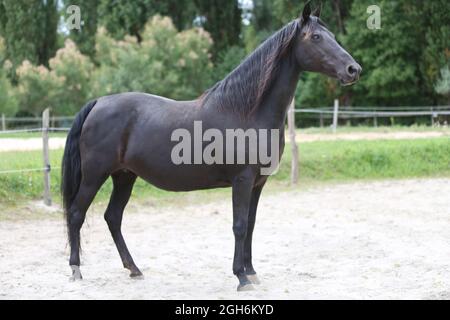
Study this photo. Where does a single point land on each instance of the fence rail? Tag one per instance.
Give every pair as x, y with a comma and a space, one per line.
336, 113
45, 129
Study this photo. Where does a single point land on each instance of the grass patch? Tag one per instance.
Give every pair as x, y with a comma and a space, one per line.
29, 135
377, 159
320, 161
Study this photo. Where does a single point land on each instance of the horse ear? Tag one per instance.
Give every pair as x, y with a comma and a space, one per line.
306, 11
318, 11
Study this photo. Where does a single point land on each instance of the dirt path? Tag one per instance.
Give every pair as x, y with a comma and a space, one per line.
15, 144
376, 240
311, 137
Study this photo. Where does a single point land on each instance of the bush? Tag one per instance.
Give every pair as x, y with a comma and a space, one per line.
8, 103
64, 87
166, 62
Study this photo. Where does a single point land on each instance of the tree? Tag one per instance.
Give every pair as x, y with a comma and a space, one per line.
399, 61
29, 29
85, 37
123, 17
228, 60
435, 42
64, 86
222, 19
166, 62
8, 103
442, 86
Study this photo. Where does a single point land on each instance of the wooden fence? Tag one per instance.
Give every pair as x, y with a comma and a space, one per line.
335, 113
45, 129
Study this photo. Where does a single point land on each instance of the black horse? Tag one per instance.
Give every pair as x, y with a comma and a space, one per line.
127, 135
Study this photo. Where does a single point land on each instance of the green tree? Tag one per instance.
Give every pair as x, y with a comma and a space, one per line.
228, 60
435, 42
8, 103
64, 86
400, 61
166, 62
222, 19
85, 37
442, 86
29, 29
123, 17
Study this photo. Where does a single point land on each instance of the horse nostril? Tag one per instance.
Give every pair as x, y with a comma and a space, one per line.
352, 70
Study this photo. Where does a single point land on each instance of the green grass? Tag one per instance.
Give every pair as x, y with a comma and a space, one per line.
378, 159
29, 135
322, 161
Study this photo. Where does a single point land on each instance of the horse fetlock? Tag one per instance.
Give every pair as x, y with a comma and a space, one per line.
76, 273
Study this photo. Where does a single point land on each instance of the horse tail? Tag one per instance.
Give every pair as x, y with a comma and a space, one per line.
71, 162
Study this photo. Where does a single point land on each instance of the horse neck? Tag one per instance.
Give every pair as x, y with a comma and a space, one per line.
273, 107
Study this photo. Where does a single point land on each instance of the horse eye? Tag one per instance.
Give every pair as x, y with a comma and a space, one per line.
315, 37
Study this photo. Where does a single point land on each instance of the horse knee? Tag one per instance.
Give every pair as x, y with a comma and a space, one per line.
240, 230
76, 219
112, 221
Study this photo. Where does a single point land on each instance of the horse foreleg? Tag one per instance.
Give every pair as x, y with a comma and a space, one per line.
249, 270
123, 183
242, 193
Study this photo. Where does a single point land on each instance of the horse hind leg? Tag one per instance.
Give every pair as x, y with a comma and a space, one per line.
76, 216
123, 183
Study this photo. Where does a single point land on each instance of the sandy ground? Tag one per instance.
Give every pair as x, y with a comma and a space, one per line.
15, 144
311, 137
372, 240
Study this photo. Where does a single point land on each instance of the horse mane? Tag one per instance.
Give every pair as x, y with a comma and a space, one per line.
243, 88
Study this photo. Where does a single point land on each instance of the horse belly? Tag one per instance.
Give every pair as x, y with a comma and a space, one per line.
183, 177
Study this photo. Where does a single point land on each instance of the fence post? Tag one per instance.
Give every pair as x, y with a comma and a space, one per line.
3, 122
45, 129
335, 115
321, 119
294, 148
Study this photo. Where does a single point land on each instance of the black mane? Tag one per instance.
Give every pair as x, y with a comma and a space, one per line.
243, 89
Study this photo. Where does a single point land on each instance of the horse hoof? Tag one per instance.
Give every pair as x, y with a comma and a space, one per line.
245, 287
136, 275
76, 273
253, 279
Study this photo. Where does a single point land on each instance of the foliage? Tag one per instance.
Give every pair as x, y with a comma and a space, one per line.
443, 84
123, 17
8, 103
402, 63
222, 21
166, 62
85, 37
405, 55
227, 61
29, 29
396, 59
74, 70
64, 87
